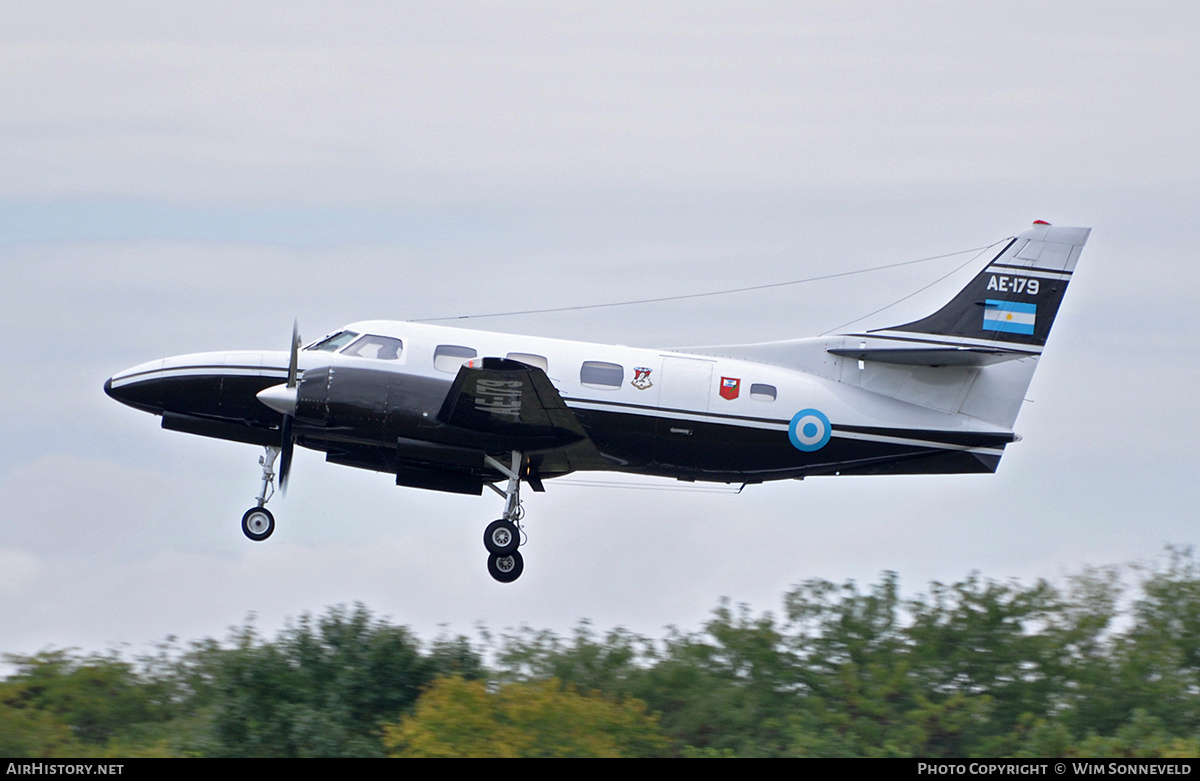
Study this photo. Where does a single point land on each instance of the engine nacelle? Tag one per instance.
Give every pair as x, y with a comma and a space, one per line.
378, 406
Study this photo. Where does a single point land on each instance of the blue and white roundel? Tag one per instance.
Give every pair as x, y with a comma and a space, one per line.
809, 430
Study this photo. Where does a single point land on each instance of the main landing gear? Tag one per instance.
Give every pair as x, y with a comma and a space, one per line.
258, 523
503, 536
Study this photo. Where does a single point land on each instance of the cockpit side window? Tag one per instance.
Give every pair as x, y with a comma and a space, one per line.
382, 347
333, 342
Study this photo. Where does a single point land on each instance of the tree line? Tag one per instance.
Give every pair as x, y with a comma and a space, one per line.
1091, 667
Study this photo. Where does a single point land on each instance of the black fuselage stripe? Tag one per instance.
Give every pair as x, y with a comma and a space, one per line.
932, 438
250, 411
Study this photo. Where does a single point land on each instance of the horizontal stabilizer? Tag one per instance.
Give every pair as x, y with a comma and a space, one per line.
934, 356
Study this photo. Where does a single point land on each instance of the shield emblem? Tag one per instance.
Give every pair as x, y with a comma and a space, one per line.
730, 387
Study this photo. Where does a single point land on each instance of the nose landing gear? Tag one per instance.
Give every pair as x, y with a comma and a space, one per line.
258, 523
503, 536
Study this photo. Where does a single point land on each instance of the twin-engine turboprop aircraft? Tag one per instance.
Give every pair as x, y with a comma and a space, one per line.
455, 410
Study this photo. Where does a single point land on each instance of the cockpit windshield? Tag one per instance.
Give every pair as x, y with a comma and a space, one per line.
382, 347
334, 342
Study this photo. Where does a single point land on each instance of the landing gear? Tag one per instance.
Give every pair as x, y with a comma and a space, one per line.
503, 536
506, 569
258, 523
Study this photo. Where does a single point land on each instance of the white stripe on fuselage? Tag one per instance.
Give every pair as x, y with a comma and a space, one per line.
204, 370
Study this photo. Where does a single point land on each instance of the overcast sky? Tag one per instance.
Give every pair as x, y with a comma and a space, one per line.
193, 176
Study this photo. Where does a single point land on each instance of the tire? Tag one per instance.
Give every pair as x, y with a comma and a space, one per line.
258, 523
506, 569
501, 537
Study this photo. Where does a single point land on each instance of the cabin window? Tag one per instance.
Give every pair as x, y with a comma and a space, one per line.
760, 391
598, 374
449, 357
529, 359
382, 347
333, 342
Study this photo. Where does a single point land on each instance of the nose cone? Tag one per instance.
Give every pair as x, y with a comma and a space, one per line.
117, 394
139, 387
213, 386
280, 398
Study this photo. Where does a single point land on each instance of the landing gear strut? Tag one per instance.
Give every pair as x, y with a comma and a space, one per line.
503, 536
258, 523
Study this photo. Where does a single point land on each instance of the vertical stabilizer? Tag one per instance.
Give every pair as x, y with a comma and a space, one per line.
976, 355
1016, 298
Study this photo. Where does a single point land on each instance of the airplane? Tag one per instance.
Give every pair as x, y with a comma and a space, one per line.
451, 409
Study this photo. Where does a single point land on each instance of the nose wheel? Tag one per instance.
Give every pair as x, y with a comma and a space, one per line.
258, 523
502, 537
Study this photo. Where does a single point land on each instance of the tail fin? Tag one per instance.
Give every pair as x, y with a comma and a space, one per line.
1015, 299
976, 355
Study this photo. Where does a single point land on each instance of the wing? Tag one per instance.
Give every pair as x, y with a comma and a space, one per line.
506, 405
513, 402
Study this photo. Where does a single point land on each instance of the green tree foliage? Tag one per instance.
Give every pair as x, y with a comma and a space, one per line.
1158, 659
324, 687
980, 667
70, 706
977, 667
29, 731
460, 718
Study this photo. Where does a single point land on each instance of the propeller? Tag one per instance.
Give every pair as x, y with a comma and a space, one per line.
285, 449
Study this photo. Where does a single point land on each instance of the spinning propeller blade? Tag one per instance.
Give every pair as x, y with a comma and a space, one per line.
285, 449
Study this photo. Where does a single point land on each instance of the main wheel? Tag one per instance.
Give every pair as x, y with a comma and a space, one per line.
501, 537
258, 523
506, 569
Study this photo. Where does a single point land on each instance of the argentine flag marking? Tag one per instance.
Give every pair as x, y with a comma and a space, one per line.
1009, 316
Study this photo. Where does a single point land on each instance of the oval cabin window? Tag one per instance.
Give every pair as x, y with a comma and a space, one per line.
598, 374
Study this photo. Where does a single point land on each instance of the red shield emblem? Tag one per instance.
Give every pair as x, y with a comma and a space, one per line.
641, 378
730, 387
